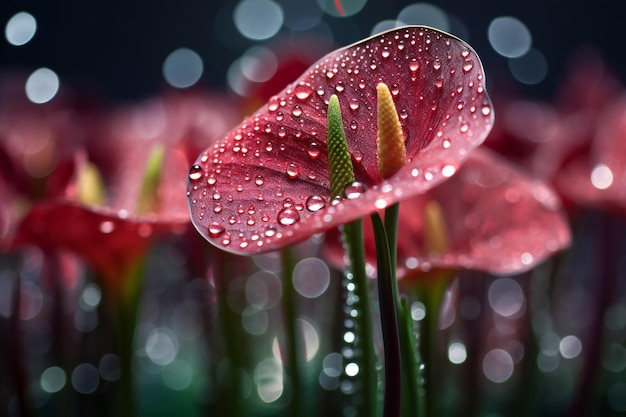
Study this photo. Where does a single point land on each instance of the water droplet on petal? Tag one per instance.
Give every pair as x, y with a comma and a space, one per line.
315, 203
288, 216
313, 151
414, 65
195, 172
354, 104
293, 170
353, 125
486, 110
259, 180
437, 64
354, 190
385, 53
215, 229
468, 65
302, 91
297, 111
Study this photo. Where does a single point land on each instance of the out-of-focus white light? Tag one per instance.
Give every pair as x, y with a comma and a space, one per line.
601, 177
258, 19
85, 378
182, 68
42, 85
570, 347
352, 369
418, 311
457, 353
529, 69
301, 15
268, 378
20, 28
424, 14
258, 64
161, 346
506, 297
509, 36
53, 379
498, 365
311, 277
254, 320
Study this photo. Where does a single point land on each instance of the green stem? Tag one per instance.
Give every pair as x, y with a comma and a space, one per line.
125, 307
388, 299
292, 342
231, 386
353, 238
431, 292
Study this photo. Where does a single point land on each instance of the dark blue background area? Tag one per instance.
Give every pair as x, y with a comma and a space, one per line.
117, 48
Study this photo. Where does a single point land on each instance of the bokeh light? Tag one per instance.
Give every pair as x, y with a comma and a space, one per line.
20, 28
53, 379
424, 14
498, 365
85, 378
258, 19
509, 36
182, 68
42, 85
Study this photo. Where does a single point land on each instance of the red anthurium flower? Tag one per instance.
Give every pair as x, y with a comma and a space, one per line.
114, 234
597, 178
491, 218
266, 184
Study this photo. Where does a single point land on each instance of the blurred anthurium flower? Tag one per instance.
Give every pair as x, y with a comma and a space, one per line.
128, 190
266, 184
488, 217
597, 178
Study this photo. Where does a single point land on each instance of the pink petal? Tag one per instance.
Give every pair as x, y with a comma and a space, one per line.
266, 185
497, 219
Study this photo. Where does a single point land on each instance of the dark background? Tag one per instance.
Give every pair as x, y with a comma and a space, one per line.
117, 48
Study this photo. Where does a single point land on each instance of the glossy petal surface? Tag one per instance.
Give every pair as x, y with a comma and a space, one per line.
266, 184
497, 220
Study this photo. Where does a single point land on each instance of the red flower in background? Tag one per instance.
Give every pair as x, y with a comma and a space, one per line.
266, 184
113, 234
491, 217
564, 142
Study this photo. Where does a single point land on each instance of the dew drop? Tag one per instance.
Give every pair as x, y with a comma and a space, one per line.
297, 111
465, 53
437, 64
330, 74
273, 104
395, 89
354, 104
486, 110
404, 114
358, 157
217, 208
353, 125
293, 171
259, 180
288, 216
439, 83
464, 127
354, 190
468, 65
313, 151
279, 116
385, 53
315, 203
414, 65
215, 229
362, 84
195, 173
339, 87
446, 143
302, 91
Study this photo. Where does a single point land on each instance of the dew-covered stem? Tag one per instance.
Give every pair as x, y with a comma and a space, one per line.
353, 240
